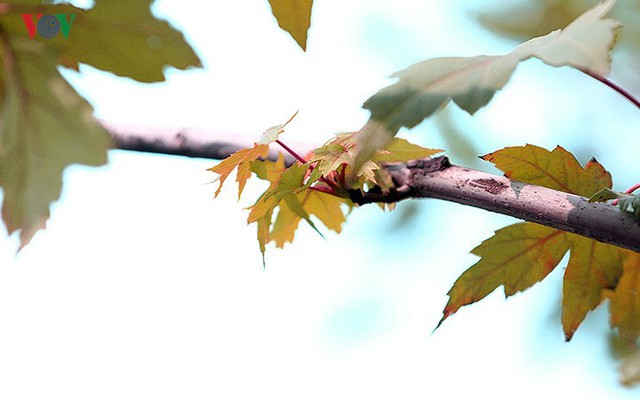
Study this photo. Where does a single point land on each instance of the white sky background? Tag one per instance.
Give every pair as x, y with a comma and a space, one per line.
142, 286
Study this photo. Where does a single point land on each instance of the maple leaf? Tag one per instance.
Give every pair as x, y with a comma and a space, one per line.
330, 157
325, 207
46, 126
291, 201
272, 134
593, 266
523, 254
471, 82
557, 169
241, 160
625, 302
262, 211
294, 16
110, 36
516, 257
339, 152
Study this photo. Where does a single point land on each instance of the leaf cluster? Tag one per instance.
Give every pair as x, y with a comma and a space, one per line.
517, 256
312, 186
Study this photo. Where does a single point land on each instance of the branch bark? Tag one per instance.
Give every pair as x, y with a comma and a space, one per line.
429, 178
436, 178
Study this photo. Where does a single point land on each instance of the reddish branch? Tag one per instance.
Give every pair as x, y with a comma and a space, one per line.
431, 178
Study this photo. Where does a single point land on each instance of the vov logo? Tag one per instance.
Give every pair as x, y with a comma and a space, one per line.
48, 26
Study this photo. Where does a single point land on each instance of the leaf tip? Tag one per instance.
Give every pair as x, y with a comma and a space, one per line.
569, 335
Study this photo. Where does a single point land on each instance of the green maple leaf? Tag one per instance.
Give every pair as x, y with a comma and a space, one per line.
118, 36
45, 126
294, 16
114, 33
523, 254
471, 82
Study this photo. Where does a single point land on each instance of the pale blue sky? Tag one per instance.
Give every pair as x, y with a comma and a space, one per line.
143, 286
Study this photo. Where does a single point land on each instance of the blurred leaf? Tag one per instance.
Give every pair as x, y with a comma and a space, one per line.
294, 16
45, 126
471, 82
116, 32
522, 254
532, 18
119, 36
461, 149
524, 19
629, 369
630, 203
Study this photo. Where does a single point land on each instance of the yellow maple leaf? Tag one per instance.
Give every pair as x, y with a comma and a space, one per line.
240, 159
625, 301
520, 255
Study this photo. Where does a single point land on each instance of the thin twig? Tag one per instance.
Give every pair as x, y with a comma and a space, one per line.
613, 86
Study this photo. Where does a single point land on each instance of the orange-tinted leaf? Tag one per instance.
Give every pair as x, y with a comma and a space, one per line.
516, 257
593, 267
240, 159
625, 302
557, 169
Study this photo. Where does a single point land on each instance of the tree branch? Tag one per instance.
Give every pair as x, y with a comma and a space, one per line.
186, 142
436, 178
429, 178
